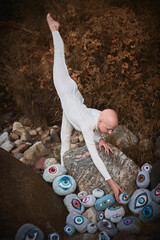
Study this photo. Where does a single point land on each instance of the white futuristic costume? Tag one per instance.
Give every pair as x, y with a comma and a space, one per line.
75, 113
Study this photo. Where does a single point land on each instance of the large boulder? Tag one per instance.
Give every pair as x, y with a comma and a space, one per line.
26, 198
121, 168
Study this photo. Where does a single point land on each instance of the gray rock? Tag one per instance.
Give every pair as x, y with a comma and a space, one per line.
139, 199
146, 167
73, 203
25, 136
69, 230
3, 137
34, 153
7, 145
49, 161
150, 212
115, 214
18, 128
107, 226
143, 179
103, 236
98, 193
63, 185
53, 171
155, 193
124, 198
53, 236
82, 194
54, 136
88, 201
122, 137
79, 222
90, 213
28, 229
117, 164
92, 228
100, 215
19, 155
129, 224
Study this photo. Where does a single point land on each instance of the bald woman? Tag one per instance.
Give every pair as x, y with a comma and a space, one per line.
76, 115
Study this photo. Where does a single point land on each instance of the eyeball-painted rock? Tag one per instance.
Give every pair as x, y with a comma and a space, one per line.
100, 215
82, 194
143, 179
29, 231
79, 222
124, 198
139, 199
73, 203
98, 193
54, 236
63, 185
104, 202
129, 224
150, 212
103, 236
155, 193
88, 201
146, 167
53, 171
69, 230
107, 226
115, 214
92, 228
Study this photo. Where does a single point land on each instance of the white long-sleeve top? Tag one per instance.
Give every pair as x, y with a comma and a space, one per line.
75, 112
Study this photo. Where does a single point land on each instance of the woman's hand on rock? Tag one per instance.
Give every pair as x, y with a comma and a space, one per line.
102, 143
116, 189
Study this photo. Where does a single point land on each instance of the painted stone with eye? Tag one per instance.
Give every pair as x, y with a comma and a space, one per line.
124, 198
82, 194
100, 215
54, 236
79, 222
104, 202
98, 193
155, 193
69, 230
63, 185
29, 231
143, 179
53, 171
146, 167
115, 214
88, 201
73, 203
139, 199
150, 212
129, 224
107, 226
92, 228
103, 236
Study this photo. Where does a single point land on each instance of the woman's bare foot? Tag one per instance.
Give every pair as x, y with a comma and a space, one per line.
53, 25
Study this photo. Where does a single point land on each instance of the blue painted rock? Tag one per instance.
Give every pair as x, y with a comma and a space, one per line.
150, 212
53, 171
100, 215
82, 194
143, 179
115, 214
73, 203
88, 201
104, 202
54, 236
98, 193
63, 185
139, 199
107, 226
79, 222
69, 230
146, 167
103, 236
129, 224
92, 228
155, 193
124, 198
29, 231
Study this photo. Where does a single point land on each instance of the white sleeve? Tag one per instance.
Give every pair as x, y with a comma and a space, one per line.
97, 135
89, 139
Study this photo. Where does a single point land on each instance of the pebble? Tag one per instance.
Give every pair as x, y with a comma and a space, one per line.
8, 145
3, 137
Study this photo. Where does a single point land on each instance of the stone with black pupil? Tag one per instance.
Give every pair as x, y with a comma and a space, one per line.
143, 179
64, 185
107, 226
26, 228
53, 171
129, 224
79, 222
69, 202
92, 228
